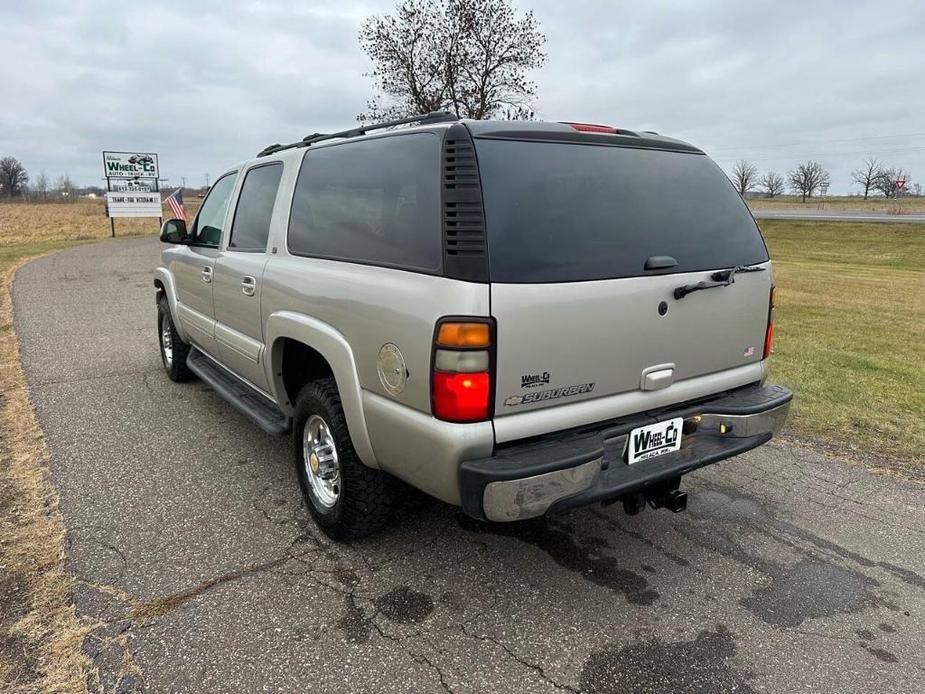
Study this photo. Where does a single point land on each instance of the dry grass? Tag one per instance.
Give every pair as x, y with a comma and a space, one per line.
26, 223
83, 220
907, 205
40, 635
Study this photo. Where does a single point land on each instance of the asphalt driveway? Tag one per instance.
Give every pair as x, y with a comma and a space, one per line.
191, 548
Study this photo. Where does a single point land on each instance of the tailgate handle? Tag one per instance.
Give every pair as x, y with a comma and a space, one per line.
660, 262
657, 377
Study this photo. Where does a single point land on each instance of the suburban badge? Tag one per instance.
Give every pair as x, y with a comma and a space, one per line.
551, 394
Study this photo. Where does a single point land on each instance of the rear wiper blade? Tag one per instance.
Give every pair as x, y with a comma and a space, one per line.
720, 278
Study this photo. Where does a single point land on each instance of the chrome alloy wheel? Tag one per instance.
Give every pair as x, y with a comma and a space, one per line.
322, 469
166, 340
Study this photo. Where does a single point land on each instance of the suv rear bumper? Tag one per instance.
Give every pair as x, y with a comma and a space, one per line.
588, 465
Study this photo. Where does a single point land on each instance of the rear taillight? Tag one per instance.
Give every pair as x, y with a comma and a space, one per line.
461, 383
461, 397
769, 332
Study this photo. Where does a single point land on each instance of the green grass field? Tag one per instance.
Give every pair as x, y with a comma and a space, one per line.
850, 332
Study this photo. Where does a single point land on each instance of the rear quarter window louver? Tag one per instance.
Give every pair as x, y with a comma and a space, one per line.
465, 254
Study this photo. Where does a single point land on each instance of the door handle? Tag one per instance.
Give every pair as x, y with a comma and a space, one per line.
207, 274
248, 285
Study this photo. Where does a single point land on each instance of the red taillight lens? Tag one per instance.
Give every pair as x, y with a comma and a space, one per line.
461, 397
768, 339
769, 333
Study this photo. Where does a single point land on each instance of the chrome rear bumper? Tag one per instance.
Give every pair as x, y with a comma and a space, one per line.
532, 479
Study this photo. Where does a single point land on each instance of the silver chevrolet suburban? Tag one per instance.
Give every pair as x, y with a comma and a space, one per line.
514, 317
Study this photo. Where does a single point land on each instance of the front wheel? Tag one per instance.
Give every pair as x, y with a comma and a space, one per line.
173, 350
345, 497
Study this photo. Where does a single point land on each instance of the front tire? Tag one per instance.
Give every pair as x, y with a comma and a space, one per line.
345, 497
173, 350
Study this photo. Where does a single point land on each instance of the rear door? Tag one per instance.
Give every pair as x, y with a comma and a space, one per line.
193, 268
239, 275
571, 231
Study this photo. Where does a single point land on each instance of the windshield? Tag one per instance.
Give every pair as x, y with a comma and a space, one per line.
563, 212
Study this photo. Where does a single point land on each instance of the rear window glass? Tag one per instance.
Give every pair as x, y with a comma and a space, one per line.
372, 201
565, 212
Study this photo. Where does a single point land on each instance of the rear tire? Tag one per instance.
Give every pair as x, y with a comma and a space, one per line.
345, 497
174, 350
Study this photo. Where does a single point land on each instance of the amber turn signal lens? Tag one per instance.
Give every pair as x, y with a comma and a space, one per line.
773, 297
463, 335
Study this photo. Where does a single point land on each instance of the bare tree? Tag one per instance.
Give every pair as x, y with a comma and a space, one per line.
470, 57
744, 176
13, 176
866, 176
41, 185
64, 186
885, 182
773, 184
807, 178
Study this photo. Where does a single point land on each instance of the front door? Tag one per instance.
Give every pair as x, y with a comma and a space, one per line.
194, 268
238, 276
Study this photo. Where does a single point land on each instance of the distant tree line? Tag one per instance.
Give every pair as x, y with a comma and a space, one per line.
15, 182
810, 178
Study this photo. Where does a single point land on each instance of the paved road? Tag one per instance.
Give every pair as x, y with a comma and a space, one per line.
840, 216
186, 533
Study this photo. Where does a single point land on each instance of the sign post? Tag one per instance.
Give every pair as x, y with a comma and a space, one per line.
899, 185
132, 188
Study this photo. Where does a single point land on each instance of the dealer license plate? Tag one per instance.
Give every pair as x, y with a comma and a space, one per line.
654, 440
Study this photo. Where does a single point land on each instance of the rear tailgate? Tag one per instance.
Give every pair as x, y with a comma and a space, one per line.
606, 334
579, 318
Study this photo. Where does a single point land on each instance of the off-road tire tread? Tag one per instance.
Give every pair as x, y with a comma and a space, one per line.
178, 371
367, 498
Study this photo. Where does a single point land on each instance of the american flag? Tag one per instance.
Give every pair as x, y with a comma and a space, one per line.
175, 201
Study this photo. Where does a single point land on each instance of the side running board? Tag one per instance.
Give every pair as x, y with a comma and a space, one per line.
248, 401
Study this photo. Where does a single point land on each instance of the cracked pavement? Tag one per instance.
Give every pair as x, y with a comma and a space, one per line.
199, 565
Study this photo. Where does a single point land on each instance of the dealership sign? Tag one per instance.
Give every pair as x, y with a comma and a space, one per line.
133, 204
130, 165
131, 185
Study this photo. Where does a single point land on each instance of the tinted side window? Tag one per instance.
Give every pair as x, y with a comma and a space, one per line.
251, 225
211, 217
373, 201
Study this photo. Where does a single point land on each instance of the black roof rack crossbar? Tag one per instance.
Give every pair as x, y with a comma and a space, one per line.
308, 140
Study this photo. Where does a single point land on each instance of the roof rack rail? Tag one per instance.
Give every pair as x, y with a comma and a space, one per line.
308, 140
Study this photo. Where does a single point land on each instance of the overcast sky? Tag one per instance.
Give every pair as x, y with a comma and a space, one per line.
206, 84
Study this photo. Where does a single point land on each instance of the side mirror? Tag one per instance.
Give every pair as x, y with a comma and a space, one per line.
174, 231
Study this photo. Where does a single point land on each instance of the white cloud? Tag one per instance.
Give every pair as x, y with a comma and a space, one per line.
207, 84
